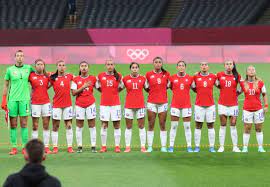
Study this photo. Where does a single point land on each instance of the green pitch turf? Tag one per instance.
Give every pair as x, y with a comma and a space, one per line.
155, 169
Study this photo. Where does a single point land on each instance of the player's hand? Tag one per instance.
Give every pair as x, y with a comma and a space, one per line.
87, 84
196, 73
4, 102
265, 109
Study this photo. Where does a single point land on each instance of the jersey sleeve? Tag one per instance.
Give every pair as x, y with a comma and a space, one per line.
97, 85
121, 83
263, 88
74, 86
7, 75
193, 84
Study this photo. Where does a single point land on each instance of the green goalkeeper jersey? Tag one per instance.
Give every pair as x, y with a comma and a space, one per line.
18, 81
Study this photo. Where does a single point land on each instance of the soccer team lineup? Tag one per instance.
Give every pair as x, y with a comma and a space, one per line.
19, 103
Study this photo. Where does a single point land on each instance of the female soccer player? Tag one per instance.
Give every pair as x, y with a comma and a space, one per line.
180, 85
40, 102
82, 87
227, 82
134, 105
110, 83
253, 87
204, 109
62, 105
157, 103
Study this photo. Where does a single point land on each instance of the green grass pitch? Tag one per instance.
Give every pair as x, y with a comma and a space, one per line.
155, 169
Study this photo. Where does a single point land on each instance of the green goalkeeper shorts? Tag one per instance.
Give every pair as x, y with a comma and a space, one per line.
19, 108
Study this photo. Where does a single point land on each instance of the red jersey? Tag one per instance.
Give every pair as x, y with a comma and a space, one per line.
86, 97
40, 85
109, 89
134, 86
204, 87
252, 100
157, 84
180, 86
61, 86
228, 89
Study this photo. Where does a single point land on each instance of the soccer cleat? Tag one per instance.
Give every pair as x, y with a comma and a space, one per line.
212, 150
79, 150
117, 149
163, 150
197, 149
149, 149
189, 150
47, 150
170, 150
93, 149
143, 150
13, 151
236, 150
244, 150
70, 150
55, 150
261, 150
221, 149
103, 149
127, 149
23, 151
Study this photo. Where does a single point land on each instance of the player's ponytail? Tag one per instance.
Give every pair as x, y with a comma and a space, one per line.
55, 75
162, 69
235, 72
116, 74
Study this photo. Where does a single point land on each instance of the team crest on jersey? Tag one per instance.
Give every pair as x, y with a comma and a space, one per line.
56, 79
175, 80
65, 77
234, 79
14, 73
199, 79
140, 81
152, 76
210, 79
222, 78
103, 78
186, 80
80, 82
128, 81
34, 78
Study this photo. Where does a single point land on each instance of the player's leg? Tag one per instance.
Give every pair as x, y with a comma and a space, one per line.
24, 112
36, 113
116, 117
199, 114
248, 119
151, 113
234, 135
210, 120
80, 116
57, 116
258, 120
129, 115
46, 112
222, 132
162, 115
104, 118
142, 133
175, 114
67, 116
91, 117
13, 135
186, 114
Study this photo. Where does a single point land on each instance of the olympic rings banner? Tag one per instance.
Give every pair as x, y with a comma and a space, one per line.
141, 54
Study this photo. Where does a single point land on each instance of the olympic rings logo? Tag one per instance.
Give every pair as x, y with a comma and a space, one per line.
135, 54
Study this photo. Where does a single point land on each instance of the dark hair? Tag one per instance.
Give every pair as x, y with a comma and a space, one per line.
82, 62
116, 75
159, 58
55, 75
132, 63
18, 51
235, 72
35, 150
181, 61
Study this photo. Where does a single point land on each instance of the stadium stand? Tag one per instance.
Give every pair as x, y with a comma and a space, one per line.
122, 13
32, 14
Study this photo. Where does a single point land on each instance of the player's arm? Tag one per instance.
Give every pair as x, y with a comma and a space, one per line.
4, 98
265, 99
75, 91
98, 85
121, 86
193, 87
146, 86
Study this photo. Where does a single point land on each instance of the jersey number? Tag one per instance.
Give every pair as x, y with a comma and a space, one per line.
109, 83
40, 82
62, 83
135, 86
228, 83
251, 91
182, 86
158, 80
204, 84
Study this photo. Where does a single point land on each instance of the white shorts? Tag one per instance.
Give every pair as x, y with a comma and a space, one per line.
205, 113
110, 112
89, 112
41, 110
253, 117
157, 108
228, 110
186, 112
67, 113
130, 113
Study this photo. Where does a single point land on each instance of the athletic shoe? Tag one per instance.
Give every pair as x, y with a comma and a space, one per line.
170, 150
55, 150
143, 150
127, 149
236, 150
23, 151
103, 149
93, 149
149, 149
13, 151
79, 150
117, 149
189, 150
212, 150
163, 150
244, 150
70, 150
261, 150
197, 149
47, 150
221, 149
